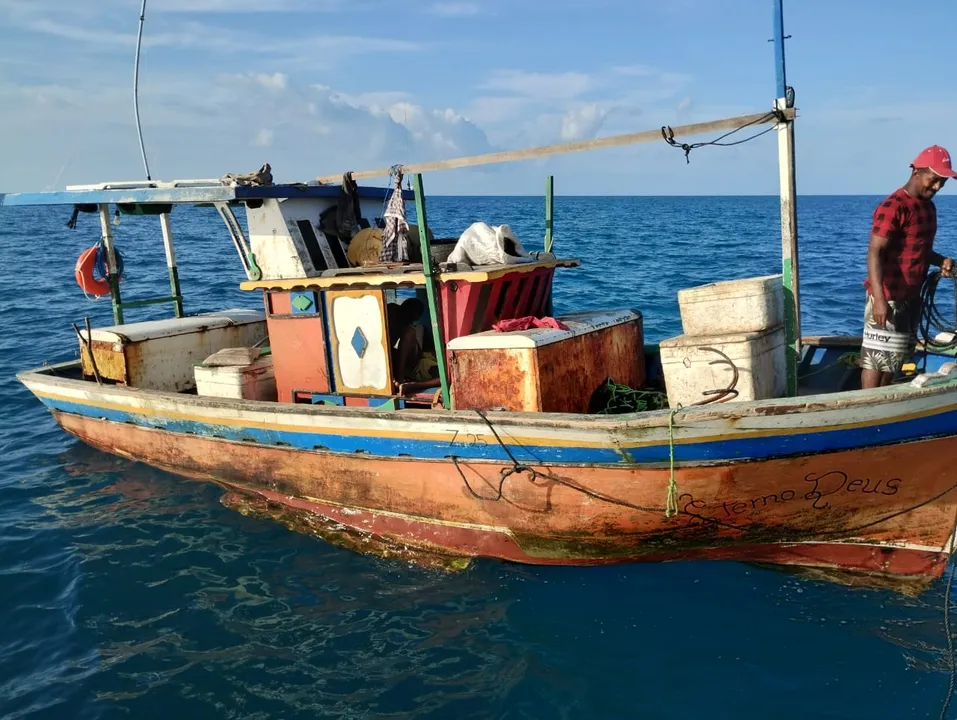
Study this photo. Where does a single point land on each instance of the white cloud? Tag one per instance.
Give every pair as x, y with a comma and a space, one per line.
275, 81
243, 6
312, 130
107, 31
554, 86
584, 121
455, 9
492, 110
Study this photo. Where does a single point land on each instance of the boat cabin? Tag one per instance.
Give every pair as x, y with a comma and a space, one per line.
338, 327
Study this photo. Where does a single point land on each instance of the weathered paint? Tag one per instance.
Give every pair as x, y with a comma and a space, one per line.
299, 348
106, 236
887, 509
549, 204
161, 354
789, 253
168, 248
711, 434
404, 276
557, 376
474, 306
359, 341
435, 309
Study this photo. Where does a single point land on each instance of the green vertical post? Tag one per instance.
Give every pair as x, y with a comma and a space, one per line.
171, 265
549, 204
549, 229
106, 232
431, 289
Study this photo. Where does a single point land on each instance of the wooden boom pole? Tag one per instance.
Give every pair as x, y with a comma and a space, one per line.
733, 123
789, 229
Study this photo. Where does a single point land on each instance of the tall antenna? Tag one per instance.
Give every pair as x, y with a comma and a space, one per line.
136, 89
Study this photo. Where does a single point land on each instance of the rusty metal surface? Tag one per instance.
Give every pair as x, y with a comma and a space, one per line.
815, 510
110, 363
571, 371
493, 379
556, 378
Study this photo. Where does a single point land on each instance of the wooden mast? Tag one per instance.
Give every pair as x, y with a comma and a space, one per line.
784, 100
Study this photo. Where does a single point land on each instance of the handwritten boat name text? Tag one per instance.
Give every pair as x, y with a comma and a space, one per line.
822, 486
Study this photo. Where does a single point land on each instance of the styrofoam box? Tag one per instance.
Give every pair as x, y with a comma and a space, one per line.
759, 357
732, 306
239, 382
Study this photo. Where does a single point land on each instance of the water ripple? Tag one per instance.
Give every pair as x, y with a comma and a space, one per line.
127, 592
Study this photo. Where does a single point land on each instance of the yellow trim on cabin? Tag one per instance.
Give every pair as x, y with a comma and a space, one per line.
399, 278
540, 441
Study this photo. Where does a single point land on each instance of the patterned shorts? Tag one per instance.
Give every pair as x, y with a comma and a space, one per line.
888, 348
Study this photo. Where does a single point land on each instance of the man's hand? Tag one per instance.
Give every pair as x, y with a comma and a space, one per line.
947, 268
879, 311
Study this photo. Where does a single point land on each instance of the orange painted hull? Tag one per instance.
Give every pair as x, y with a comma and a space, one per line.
889, 509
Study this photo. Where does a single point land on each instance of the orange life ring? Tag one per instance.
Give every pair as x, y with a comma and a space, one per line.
88, 283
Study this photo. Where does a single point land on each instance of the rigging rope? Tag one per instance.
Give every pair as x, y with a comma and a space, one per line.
671, 505
668, 134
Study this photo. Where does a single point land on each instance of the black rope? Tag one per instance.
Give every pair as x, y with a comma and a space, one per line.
518, 468
669, 136
932, 320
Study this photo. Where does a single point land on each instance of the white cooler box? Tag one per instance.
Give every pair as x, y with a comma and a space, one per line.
732, 306
759, 357
255, 381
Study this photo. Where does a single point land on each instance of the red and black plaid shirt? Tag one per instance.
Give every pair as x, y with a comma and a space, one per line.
909, 224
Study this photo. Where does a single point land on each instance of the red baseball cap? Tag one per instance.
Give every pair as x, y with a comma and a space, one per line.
935, 159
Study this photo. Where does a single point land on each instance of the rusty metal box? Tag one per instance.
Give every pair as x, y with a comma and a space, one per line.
548, 370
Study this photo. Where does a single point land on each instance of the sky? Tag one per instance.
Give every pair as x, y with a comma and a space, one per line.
319, 87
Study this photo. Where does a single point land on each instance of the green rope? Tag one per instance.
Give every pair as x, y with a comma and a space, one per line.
625, 399
671, 503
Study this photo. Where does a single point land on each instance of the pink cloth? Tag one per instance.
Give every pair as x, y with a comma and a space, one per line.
528, 322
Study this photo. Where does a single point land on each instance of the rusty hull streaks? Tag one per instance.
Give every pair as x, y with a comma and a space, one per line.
725, 511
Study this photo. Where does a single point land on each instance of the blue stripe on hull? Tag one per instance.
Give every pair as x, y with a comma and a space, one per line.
739, 449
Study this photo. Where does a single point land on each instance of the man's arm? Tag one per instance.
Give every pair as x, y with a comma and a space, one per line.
945, 264
874, 273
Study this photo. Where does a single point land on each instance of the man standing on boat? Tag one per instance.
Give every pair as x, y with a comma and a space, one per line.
901, 250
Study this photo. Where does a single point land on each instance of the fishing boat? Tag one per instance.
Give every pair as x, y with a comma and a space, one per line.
541, 439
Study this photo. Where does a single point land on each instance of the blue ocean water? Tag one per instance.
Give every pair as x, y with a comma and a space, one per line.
129, 592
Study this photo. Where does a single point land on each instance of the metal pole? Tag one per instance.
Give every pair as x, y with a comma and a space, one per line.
431, 289
779, 64
107, 233
789, 226
171, 264
136, 89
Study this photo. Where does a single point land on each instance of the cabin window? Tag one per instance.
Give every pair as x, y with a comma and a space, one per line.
312, 245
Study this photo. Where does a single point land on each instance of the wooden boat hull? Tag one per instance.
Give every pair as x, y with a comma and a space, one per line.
885, 507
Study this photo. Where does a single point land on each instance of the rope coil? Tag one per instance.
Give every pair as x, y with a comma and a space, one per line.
932, 320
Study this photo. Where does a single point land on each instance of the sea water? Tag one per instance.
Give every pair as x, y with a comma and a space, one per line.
126, 592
